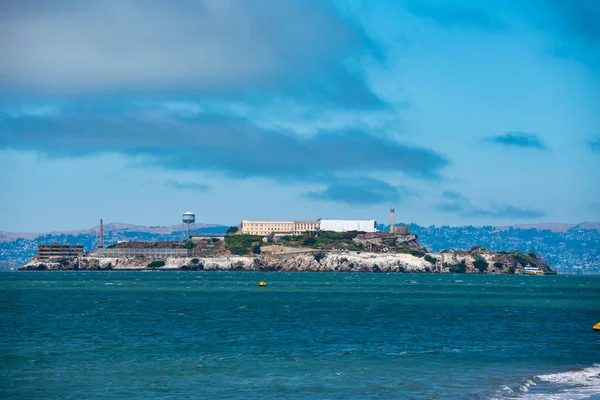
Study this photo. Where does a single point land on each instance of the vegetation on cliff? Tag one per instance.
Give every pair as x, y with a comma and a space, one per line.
156, 264
378, 242
242, 244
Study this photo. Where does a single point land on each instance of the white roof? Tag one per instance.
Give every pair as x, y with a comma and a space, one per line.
344, 225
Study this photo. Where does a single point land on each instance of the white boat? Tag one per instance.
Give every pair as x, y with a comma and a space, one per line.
529, 270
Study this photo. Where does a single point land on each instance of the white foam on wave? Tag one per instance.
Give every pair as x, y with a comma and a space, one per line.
528, 383
584, 377
571, 385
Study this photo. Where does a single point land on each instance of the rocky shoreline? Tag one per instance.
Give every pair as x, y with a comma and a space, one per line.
474, 261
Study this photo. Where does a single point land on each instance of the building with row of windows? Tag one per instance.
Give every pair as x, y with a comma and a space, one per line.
282, 227
48, 251
300, 227
116, 252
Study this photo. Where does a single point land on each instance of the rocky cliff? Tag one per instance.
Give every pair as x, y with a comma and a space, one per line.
474, 261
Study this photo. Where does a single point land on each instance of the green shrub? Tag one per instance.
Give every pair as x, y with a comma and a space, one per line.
418, 252
195, 261
309, 241
238, 251
430, 259
231, 230
319, 256
498, 265
330, 235
156, 264
189, 245
412, 251
256, 249
459, 268
524, 259
241, 244
349, 235
192, 267
389, 241
480, 264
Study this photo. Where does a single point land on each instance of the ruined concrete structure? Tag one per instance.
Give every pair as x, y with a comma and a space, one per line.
47, 251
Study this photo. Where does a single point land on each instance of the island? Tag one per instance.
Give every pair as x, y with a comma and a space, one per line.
321, 251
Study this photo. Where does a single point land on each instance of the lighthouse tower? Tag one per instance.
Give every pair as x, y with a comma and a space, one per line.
392, 220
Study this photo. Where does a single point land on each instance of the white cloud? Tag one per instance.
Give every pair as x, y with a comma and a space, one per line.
219, 48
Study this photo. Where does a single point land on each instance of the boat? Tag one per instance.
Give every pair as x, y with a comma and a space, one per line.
529, 270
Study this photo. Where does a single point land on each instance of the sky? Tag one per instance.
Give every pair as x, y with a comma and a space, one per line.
454, 112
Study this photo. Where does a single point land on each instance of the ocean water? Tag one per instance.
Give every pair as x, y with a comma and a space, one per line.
218, 335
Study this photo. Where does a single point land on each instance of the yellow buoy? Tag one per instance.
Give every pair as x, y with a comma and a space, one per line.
596, 327
262, 284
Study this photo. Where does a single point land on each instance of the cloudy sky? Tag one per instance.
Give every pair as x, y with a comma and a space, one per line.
455, 112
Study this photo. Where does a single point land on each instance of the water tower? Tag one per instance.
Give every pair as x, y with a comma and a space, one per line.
189, 224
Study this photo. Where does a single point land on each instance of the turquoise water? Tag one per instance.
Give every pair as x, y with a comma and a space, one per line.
218, 335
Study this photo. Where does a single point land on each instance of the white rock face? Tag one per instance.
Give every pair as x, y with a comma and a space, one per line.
325, 262
374, 262
284, 259
343, 261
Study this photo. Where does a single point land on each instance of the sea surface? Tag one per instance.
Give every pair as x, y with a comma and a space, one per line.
218, 335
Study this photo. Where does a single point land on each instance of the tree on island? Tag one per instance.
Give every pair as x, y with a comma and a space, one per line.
231, 230
156, 264
480, 264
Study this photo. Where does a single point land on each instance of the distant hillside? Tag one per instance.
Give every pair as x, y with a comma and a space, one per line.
556, 226
550, 226
113, 227
588, 225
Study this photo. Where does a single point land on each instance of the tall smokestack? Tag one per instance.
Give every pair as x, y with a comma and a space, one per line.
101, 234
392, 220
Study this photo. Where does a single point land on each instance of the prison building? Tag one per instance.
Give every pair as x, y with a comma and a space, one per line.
306, 226
47, 251
277, 227
265, 227
125, 252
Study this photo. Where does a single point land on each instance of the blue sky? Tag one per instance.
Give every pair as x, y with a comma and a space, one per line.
455, 112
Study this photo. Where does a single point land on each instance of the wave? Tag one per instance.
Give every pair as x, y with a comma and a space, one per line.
583, 383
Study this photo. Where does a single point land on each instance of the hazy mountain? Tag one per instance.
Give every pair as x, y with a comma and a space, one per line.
556, 226
113, 227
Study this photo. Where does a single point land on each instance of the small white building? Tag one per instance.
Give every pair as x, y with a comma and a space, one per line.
343, 225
